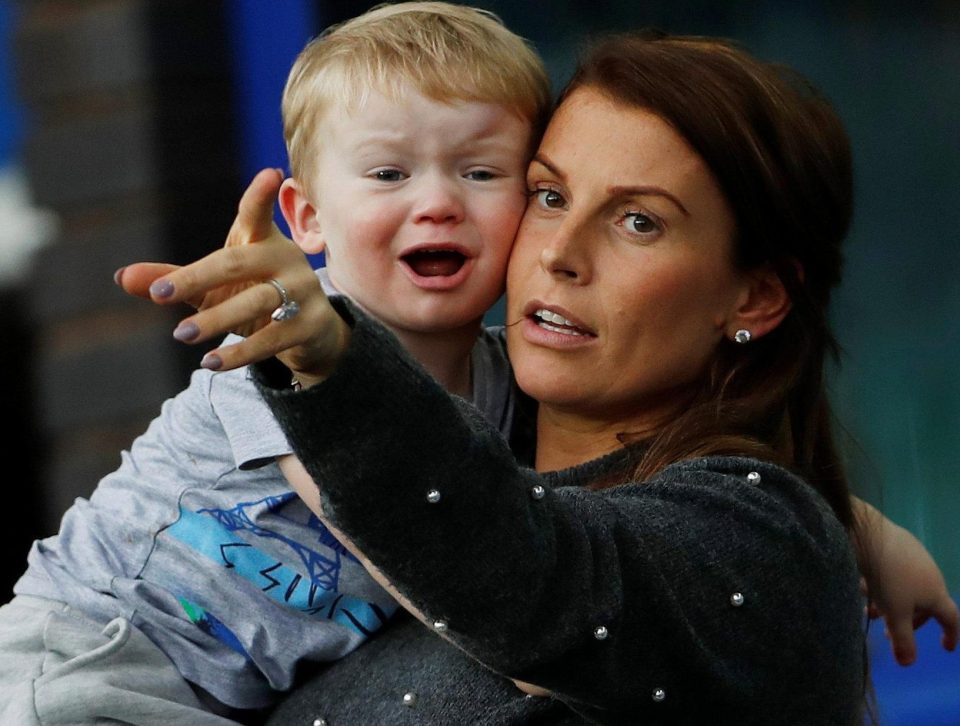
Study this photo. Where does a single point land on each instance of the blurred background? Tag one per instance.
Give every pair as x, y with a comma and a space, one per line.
128, 129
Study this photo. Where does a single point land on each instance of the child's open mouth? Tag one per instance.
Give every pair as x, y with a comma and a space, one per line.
435, 263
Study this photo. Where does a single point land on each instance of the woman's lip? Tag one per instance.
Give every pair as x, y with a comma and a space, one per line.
551, 326
549, 337
556, 315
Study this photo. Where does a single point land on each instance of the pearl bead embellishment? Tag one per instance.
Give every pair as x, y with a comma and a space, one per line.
753, 477
659, 695
319, 722
736, 599
538, 492
440, 626
433, 496
410, 699
600, 632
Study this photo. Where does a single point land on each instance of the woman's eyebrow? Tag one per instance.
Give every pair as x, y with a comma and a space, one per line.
544, 161
622, 191
618, 190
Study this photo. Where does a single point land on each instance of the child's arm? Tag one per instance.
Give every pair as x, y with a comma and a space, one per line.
903, 583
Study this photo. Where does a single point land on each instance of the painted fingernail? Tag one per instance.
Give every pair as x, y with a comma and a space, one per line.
118, 276
212, 362
185, 332
161, 288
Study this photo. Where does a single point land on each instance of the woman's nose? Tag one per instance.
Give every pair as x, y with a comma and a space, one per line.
563, 257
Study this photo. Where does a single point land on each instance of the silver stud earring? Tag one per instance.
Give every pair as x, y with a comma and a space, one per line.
742, 336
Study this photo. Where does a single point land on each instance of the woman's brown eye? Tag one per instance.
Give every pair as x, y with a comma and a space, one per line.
550, 198
640, 223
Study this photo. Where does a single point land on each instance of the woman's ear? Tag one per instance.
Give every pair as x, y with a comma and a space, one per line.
763, 306
301, 217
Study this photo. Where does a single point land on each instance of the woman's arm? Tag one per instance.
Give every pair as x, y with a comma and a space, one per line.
600, 597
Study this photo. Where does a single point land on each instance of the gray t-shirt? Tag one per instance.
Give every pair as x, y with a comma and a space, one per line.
199, 541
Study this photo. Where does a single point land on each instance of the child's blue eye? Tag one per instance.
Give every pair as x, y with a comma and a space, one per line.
389, 175
480, 175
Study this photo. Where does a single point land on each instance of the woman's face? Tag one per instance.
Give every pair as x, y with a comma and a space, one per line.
621, 277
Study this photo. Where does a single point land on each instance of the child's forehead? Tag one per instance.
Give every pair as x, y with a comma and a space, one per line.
397, 112
402, 94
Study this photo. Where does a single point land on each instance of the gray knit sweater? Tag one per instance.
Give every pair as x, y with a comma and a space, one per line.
721, 591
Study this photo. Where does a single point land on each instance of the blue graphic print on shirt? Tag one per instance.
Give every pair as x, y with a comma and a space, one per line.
211, 625
211, 533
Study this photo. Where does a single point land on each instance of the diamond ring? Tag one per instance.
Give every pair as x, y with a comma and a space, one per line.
287, 308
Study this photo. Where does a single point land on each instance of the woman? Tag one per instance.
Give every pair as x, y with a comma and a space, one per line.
686, 559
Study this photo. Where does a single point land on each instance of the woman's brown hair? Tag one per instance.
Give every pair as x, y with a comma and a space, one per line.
782, 158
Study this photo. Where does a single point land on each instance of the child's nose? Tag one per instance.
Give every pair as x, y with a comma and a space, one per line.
440, 200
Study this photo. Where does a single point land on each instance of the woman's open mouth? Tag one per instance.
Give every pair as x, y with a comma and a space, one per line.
556, 323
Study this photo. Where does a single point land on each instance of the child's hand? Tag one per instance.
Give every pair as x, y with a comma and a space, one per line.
904, 586
231, 291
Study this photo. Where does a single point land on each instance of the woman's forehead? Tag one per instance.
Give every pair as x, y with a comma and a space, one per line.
592, 134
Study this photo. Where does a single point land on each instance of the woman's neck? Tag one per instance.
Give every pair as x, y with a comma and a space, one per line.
446, 356
566, 439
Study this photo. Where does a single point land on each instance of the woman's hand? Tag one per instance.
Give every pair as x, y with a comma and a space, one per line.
903, 584
230, 290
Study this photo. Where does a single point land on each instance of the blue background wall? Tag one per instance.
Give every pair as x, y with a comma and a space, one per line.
11, 121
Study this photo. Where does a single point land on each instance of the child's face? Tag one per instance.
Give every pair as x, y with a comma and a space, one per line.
417, 203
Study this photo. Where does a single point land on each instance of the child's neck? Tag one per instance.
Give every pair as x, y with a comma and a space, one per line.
446, 356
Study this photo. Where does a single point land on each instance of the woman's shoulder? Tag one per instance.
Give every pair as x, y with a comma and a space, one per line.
736, 505
760, 486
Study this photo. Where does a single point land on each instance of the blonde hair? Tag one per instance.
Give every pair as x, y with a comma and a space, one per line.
446, 52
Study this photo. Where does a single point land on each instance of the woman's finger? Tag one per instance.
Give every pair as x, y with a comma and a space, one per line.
136, 279
254, 220
224, 269
244, 312
270, 340
248, 310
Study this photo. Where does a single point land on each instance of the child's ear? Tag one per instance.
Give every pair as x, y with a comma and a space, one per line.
301, 217
763, 304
